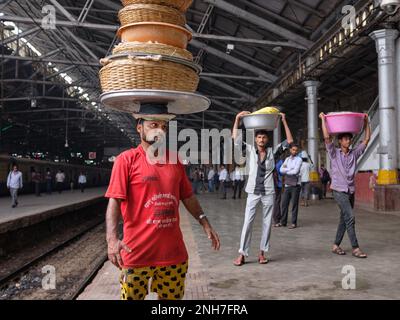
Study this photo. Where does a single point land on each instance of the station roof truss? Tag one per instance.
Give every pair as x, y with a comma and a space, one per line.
253, 53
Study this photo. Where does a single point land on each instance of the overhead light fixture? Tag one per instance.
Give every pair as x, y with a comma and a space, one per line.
33, 103
229, 48
277, 49
66, 143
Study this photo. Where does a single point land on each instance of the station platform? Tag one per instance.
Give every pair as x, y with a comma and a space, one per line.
32, 209
301, 267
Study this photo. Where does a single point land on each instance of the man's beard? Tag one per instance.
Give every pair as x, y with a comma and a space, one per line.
154, 136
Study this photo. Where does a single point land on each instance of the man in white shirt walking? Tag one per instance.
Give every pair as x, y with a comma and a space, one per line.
82, 182
223, 177
238, 180
14, 183
305, 179
210, 179
291, 171
60, 177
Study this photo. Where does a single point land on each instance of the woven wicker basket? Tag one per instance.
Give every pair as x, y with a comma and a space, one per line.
153, 48
147, 73
151, 13
181, 5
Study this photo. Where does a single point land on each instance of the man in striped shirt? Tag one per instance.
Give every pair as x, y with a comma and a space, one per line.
260, 186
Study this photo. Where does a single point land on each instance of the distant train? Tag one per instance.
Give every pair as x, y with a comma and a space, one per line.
95, 176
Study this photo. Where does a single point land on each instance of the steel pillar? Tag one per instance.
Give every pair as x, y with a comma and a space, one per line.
312, 125
385, 46
398, 99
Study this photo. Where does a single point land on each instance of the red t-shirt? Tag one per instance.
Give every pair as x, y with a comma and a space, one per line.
150, 208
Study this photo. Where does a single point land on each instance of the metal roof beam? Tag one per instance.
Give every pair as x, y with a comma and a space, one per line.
265, 24
46, 60
225, 106
274, 15
226, 98
227, 87
244, 65
70, 24
63, 10
110, 4
250, 41
307, 8
230, 76
20, 35
52, 83
84, 47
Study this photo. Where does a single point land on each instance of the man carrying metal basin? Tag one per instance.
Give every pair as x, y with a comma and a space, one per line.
343, 169
260, 185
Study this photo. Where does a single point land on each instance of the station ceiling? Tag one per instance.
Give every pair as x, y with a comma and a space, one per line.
269, 39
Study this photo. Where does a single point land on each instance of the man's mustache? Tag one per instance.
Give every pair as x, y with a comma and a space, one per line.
155, 135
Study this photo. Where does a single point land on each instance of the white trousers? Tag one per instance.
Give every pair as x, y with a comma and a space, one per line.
267, 208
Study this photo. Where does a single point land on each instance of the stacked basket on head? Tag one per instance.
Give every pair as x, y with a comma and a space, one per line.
152, 54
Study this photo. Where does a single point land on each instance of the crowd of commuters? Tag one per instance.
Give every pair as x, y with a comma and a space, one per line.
15, 182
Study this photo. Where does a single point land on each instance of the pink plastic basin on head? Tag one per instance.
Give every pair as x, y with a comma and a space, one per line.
342, 122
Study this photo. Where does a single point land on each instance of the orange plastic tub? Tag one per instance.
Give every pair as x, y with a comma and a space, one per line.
158, 32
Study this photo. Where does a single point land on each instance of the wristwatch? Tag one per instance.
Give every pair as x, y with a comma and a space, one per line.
202, 216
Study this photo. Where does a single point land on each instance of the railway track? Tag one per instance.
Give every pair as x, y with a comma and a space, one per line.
21, 270
88, 279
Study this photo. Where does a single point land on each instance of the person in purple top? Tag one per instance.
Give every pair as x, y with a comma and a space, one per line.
343, 169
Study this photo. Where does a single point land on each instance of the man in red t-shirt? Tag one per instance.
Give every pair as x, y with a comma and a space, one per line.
147, 194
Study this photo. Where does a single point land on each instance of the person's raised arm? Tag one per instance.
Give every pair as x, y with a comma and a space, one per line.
288, 133
367, 128
237, 123
193, 206
115, 245
9, 180
327, 137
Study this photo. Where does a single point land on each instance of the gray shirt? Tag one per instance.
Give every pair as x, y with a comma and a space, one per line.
261, 173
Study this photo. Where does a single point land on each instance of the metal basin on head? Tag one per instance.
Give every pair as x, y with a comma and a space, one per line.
261, 121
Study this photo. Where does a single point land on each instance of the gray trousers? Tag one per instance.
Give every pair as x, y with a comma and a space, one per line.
347, 221
290, 193
14, 196
267, 208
